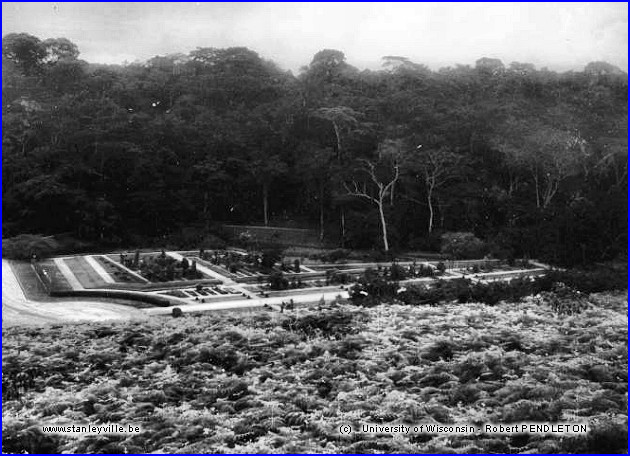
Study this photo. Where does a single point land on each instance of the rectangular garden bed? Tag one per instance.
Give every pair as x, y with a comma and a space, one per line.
208, 292
38, 279
85, 274
117, 271
159, 274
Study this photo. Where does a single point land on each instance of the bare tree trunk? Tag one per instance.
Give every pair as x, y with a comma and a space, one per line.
379, 200
338, 135
513, 182
430, 202
391, 195
537, 189
266, 203
383, 226
343, 227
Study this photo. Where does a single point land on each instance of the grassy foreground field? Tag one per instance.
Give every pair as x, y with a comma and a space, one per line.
269, 382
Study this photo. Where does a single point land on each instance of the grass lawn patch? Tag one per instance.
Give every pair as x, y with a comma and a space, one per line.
30, 283
84, 273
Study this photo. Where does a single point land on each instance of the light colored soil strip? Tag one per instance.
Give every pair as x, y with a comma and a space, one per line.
99, 269
84, 272
68, 274
274, 302
129, 271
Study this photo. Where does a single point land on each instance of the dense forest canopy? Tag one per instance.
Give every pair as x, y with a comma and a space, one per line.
531, 160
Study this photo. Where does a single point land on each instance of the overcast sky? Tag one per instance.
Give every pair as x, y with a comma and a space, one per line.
560, 36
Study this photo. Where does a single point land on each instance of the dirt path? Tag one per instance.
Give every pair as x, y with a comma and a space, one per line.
18, 310
273, 302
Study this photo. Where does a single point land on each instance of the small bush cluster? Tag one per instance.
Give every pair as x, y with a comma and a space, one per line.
24, 246
164, 268
335, 256
252, 262
335, 323
373, 288
336, 277
463, 246
277, 281
592, 281
564, 300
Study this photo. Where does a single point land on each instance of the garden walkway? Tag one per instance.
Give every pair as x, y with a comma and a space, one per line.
17, 309
99, 269
205, 270
225, 280
273, 302
68, 274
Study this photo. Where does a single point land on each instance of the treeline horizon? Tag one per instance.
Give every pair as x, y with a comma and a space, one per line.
532, 161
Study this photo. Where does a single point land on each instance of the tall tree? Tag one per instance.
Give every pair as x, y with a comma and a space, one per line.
434, 167
550, 153
24, 50
265, 170
381, 175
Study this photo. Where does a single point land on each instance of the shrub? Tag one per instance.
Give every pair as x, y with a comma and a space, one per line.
397, 272
490, 293
442, 349
426, 270
18, 438
269, 258
465, 394
223, 357
176, 312
593, 281
526, 410
606, 438
564, 300
462, 245
371, 290
23, 246
338, 278
332, 323
335, 255
277, 281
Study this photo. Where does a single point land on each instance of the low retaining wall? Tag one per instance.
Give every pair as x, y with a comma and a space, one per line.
157, 286
160, 301
286, 275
